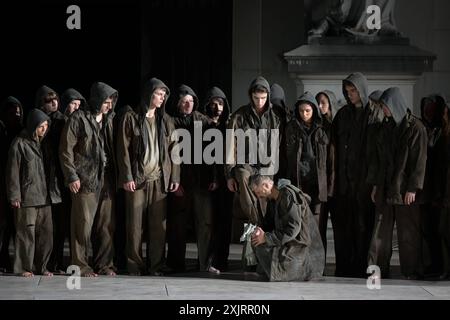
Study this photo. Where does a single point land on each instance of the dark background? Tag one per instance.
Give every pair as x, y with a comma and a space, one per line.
120, 43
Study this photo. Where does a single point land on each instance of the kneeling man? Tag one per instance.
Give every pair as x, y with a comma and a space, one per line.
290, 248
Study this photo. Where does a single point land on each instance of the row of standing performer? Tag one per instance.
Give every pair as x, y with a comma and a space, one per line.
369, 165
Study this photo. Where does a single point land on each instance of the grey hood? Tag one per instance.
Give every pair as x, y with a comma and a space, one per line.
394, 100
184, 90
10, 101
68, 96
147, 90
41, 93
308, 98
440, 103
260, 81
360, 82
283, 183
100, 91
34, 119
277, 96
331, 99
376, 95
216, 92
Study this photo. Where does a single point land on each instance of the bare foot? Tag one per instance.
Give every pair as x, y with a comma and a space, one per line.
90, 275
60, 272
213, 270
47, 274
27, 274
108, 272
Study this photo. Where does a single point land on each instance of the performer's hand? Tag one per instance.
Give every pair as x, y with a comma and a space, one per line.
174, 186
232, 185
373, 194
213, 186
258, 237
129, 186
75, 186
410, 197
15, 204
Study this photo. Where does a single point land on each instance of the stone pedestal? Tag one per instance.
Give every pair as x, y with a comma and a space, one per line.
324, 64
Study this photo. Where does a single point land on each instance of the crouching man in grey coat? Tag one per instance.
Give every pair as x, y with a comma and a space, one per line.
290, 248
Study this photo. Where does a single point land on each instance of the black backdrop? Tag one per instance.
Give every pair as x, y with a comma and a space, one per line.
120, 42
188, 42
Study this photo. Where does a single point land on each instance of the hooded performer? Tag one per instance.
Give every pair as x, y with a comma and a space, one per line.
88, 162
290, 250
307, 146
397, 177
147, 174
193, 199
353, 214
29, 195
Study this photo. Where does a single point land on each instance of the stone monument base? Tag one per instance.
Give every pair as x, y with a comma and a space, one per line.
316, 67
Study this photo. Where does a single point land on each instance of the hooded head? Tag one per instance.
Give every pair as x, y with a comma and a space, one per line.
47, 100
11, 113
375, 96
393, 99
186, 100
355, 88
148, 88
259, 94
432, 110
216, 104
327, 100
35, 127
277, 96
306, 99
100, 92
69, 101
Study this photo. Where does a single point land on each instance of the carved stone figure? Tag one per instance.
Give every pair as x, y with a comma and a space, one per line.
350, 17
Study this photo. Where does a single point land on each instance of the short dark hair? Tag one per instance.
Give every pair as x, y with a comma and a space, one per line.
160, 88
259, 88
256, 180
217, 98
49, 97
